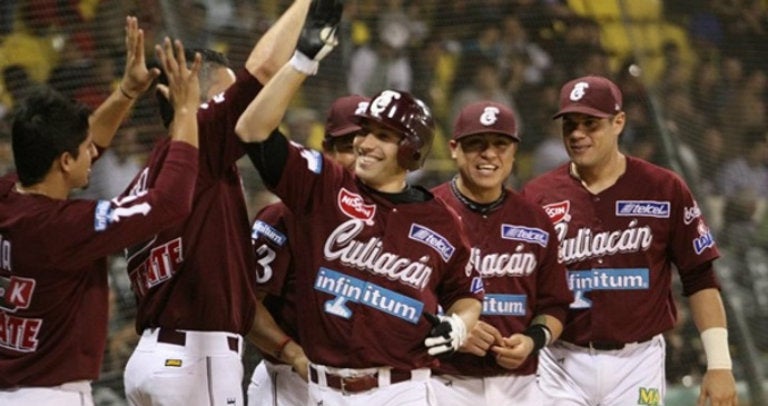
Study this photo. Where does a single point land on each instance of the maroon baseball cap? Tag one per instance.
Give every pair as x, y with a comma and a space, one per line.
591, 95
342, 118
485, 117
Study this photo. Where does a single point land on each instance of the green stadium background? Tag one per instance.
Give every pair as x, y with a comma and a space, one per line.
693, 74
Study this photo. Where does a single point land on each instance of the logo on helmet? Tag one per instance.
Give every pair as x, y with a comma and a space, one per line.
383, 101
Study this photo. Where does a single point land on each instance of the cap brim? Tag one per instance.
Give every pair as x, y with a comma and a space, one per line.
582, 110
345, 130
491, 131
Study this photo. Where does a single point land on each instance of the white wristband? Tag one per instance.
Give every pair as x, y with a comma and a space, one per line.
715, 343
303, 64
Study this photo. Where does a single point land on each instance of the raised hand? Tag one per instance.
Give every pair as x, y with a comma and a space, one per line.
318, 37
136, 78
183, 89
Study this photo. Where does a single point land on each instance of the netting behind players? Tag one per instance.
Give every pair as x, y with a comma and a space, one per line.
692, 72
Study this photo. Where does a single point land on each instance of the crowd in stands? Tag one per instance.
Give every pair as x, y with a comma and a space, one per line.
693, 74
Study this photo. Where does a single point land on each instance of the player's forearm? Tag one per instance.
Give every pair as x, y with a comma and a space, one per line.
184, 126
707, 309
267, 110
468, 309
108, 117
276, 46
269, 337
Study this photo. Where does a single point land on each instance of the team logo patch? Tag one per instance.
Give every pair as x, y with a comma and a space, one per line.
642, 208
354, 206
505, 305
559, 211
262, 229
704, 240
103, 215
649, 397
346, 289
691, 213
525, 234
173, 362
436, 241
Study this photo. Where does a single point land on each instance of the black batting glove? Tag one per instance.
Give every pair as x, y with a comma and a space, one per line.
318, 37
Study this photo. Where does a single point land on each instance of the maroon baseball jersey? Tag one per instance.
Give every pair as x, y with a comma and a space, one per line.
619, 246
53, 271
367, 268
199, 275
271, 237
514, 248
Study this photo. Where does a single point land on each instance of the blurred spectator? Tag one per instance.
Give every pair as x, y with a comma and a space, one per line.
550, 153
517, 48
435, 67
483, 84
197, 33
119, 164
748, 170
382, 63
34, 44
710, 152
705, 88
746, 108
17, 83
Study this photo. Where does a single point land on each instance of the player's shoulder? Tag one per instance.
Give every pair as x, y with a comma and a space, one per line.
640, 170
442, 190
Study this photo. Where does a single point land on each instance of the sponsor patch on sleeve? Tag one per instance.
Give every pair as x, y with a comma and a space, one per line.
642, 208
102, 216
432, 239
262, 229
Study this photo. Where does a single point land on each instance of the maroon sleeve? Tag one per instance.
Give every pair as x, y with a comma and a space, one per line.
692, 244
219, 145
552, 293
95, 229
462, 280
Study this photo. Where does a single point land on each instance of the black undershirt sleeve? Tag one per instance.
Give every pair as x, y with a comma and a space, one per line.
269, 157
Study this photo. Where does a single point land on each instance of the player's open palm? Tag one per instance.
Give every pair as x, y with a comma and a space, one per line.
137, 78
480, 339
183, 88
719, 387
514, 351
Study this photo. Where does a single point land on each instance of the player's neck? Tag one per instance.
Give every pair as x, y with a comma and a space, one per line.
600, 177
478, 194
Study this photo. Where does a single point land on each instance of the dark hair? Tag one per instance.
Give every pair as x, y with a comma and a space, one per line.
45, 125
211, 60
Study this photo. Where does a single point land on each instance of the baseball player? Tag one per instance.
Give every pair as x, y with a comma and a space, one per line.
274, 382
53, 251
194, 283
514, 248
622, 223
378, 254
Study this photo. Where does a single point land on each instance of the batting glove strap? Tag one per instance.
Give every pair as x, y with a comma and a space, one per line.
446, 336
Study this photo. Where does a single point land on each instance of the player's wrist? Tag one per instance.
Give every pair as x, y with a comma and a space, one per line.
540, 335
125, 92
715, 343
303, 64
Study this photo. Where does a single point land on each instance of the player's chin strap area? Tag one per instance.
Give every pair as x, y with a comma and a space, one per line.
350, 381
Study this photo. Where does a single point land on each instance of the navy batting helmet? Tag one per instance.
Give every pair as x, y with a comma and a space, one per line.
406, 115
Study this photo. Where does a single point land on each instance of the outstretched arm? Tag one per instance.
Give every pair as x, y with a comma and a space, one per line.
318, 38
136, 80
183, 90
275, 47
